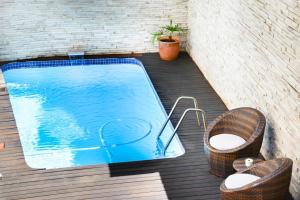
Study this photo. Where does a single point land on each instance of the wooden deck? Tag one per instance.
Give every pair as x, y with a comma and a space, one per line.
185, 177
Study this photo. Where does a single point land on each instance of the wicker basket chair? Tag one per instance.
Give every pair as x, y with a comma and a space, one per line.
247, 123
273, 184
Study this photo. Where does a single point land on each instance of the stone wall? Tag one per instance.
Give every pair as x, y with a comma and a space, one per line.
248, 50
32, 28
250, 53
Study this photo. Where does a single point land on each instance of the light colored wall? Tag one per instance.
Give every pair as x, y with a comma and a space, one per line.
250, 53
32, 28
248, 50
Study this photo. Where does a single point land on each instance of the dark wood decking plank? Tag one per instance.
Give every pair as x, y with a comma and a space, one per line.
185, 177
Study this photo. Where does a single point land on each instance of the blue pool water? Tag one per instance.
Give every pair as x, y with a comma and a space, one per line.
85, 113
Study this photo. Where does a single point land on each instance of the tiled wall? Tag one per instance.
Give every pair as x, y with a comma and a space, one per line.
250, 53
32, 28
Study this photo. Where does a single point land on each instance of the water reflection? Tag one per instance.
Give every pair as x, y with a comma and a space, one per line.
85, 115
28, 111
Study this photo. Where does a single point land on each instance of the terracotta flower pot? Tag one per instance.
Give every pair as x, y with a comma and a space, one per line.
2, 146
169, 50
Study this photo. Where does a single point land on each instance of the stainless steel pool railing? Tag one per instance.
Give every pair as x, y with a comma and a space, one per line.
196, 109
172, 110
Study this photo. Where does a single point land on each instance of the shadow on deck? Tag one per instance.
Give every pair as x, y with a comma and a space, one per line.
185, 177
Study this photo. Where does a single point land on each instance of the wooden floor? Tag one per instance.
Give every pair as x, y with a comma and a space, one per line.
185, 177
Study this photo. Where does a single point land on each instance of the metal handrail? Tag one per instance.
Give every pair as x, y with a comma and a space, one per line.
172, 110
179, 122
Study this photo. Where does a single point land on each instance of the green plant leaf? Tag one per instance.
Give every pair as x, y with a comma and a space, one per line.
168, 30
156, 36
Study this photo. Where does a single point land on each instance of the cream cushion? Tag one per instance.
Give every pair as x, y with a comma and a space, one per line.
240, 180
226, 141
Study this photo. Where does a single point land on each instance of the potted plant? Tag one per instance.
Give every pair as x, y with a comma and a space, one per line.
169, 42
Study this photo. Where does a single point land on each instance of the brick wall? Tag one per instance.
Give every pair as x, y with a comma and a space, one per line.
32, 28
250, 53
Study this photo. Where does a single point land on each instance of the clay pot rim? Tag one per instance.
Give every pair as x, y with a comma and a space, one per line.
165, 38
176, 42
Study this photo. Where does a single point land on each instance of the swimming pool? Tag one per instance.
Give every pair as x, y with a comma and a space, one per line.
86, 112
